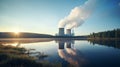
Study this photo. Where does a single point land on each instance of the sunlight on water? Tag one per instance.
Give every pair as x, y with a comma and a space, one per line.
78, 53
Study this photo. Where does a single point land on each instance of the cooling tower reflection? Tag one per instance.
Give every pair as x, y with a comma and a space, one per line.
67, 52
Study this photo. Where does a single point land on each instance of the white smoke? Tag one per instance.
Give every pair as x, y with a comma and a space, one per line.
78, 15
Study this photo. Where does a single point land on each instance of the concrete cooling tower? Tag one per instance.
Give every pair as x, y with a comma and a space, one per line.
68, 32
61, 31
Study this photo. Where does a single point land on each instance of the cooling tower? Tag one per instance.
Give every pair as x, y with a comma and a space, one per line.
61, 31
68, 32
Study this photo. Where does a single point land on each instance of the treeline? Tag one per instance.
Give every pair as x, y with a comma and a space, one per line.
34, 35
23, 35
106, 34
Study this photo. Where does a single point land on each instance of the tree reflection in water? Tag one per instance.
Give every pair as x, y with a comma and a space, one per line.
109, 43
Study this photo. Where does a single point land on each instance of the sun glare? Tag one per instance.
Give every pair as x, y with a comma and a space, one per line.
16, 32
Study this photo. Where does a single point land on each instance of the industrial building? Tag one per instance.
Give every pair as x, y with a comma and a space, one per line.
67, 32
61, 32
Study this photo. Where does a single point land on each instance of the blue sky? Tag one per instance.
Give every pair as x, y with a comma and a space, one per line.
42, 16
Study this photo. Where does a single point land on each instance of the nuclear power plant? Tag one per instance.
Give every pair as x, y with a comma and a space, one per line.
67, 32
61, 32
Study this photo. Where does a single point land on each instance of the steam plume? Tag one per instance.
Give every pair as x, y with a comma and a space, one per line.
78, 15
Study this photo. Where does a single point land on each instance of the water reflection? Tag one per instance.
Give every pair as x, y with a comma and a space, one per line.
109, 43
29, 51
19, 41
76, 53
70, 54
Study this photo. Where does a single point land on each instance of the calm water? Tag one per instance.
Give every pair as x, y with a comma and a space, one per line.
76, 53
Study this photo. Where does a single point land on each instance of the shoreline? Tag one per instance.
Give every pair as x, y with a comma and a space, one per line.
103, 39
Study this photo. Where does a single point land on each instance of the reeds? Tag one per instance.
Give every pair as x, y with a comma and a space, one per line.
11, 56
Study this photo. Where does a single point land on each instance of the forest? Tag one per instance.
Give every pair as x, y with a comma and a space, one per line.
106, 34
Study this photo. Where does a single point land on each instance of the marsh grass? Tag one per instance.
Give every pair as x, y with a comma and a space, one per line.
11, 56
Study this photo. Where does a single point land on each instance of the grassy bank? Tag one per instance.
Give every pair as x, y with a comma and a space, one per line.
11, 56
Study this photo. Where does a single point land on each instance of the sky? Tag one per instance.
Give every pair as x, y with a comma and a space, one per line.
43, 16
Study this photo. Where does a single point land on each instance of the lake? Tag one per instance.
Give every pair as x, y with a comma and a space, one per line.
71, 52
